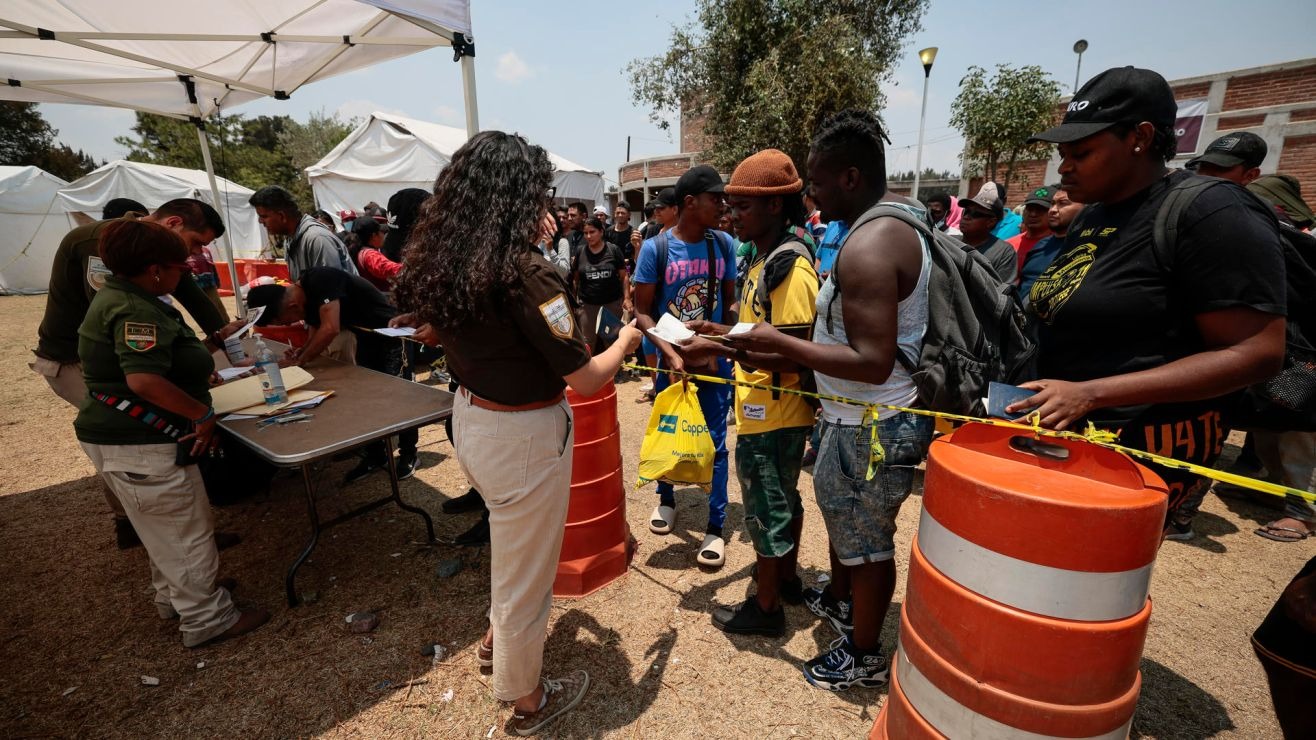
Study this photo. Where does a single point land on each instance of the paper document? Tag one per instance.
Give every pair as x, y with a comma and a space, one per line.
229, 373
671, 330
245, 392
739, 328
399, 331
253, 315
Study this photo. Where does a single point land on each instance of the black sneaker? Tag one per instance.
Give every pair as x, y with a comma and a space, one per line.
362, 469
124, 535
845, 667
477, 535
837, 612
406, 465
750, 619
469, 501
1180, 531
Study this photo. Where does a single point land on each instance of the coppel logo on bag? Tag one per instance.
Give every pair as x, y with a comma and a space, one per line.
667, 424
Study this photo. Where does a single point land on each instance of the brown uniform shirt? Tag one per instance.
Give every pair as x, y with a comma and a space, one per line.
521, 352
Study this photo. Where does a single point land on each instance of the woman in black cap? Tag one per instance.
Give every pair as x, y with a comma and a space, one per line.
1141, 335
507, 321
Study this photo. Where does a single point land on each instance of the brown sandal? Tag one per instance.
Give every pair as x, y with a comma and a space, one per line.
1272, 532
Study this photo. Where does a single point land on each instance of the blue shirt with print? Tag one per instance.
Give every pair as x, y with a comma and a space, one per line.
831, 241
682, 290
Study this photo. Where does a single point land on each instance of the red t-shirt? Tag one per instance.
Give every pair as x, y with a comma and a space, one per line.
1023, 244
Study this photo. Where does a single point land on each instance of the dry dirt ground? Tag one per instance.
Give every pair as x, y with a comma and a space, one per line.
79, 629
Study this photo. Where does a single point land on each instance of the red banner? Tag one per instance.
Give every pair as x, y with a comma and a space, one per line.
1188, 125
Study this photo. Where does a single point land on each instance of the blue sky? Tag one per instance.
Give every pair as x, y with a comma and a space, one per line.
555, 71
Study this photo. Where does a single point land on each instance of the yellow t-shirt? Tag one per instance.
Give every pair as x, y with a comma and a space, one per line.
793, 299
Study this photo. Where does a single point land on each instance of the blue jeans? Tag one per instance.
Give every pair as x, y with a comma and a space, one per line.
715, 402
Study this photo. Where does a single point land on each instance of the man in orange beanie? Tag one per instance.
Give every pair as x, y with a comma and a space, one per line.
780, 287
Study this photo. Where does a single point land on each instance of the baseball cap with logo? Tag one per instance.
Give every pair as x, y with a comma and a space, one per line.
1231, 150
1042, 196
698, 180
989, 197
1118, 95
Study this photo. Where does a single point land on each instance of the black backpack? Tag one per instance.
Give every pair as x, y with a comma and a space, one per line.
976, 329
1286, 402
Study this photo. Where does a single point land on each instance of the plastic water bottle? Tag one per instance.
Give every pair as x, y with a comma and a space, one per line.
271, 379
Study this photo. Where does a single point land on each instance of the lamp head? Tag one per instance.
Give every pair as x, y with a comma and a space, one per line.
1080, 46
927, 56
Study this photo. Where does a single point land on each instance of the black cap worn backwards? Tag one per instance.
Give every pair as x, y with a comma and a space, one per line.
1231, 150
1119, 95
667, 197
698, 180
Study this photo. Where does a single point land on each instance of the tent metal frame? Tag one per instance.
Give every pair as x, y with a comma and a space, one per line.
463, 53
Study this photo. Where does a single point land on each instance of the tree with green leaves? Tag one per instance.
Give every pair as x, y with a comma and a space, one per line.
765, 73
253, 152
27, 138
997, 116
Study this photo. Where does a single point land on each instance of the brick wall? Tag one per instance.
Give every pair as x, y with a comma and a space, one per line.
1189, 92
632, 172
1299, 159
692, 131
1303, 115
1270, 88
1234, 123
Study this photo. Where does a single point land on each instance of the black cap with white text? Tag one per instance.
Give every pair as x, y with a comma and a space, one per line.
1118, 95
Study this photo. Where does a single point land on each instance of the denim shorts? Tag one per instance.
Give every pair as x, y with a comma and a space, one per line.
768, 466
861, 514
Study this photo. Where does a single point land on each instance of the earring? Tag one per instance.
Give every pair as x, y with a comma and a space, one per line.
1137, 149
157, 278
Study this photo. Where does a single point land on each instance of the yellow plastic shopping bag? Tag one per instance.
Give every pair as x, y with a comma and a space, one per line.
678, 447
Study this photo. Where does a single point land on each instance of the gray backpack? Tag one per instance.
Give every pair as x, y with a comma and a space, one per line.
976, 328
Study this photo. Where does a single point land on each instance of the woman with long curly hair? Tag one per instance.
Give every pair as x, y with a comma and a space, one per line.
507, 323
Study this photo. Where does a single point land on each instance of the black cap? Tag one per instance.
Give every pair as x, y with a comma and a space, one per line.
1231, 150
1119, 95
1042, 196
269, 296
666, 197
699, 180
403, 210
365, 228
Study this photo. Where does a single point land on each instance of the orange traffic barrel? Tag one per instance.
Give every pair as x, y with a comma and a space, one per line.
1026, 607
595, 545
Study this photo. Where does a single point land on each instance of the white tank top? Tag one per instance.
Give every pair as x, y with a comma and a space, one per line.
911, 323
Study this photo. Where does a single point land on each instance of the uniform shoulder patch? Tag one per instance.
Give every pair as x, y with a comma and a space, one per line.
139, 337
557, 314
97, 272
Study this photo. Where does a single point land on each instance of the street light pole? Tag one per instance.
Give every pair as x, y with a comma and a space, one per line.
1080, 46
927, 56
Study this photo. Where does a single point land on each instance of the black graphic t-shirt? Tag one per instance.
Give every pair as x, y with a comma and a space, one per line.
1108, 305
600, 275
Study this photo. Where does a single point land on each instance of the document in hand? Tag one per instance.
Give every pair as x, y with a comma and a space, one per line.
671, 330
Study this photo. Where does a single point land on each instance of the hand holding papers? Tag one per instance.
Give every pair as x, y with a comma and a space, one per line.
670, 330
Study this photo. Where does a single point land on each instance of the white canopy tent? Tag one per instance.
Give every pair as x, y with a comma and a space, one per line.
388, 153
190, 59
33, 229
152, 185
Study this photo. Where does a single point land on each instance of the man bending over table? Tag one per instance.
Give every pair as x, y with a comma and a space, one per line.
330, 300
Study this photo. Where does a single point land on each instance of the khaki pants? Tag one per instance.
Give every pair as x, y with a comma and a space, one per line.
520, 462
1290, 458
167, 505
67, 383
343, 348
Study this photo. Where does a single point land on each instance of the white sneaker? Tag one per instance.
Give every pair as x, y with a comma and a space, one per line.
662, 520
713, 552
648, 386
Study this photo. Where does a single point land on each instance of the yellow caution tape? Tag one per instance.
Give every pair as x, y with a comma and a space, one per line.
1100, 437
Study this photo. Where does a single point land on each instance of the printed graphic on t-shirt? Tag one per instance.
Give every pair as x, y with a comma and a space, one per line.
689, 299
1060, 281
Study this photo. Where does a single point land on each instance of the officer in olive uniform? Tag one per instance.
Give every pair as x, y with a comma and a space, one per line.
146, 414
77, 273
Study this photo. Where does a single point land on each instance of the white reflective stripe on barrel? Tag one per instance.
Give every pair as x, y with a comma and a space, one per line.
1039, 589
954, 720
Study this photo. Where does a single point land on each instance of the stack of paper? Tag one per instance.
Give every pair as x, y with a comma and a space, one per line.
246, 393
670, 330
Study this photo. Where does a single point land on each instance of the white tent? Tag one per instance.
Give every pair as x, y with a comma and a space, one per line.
33, 229
190, 59
388, 153
152, 185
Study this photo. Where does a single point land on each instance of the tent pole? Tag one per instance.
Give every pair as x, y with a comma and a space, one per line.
228, 241
468, 91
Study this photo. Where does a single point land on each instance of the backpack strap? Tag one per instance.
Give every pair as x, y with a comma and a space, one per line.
710, 241
1169, 217
879, 210
660, 248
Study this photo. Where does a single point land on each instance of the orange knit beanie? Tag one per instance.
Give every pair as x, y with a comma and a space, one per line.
769, 172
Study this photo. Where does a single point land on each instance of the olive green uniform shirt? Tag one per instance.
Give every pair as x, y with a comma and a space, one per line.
128, 330
76, 275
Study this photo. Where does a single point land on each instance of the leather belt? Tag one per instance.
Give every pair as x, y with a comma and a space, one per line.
488, 405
